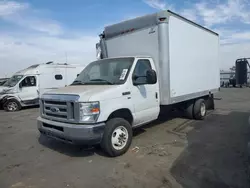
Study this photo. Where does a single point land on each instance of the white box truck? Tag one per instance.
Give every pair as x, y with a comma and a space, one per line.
156, 60
26, 86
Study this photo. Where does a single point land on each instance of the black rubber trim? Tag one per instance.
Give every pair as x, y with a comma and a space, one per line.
32, 101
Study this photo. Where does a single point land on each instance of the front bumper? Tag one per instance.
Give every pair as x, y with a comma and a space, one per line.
71, 133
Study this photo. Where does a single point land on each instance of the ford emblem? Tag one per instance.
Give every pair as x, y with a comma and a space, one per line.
54, 109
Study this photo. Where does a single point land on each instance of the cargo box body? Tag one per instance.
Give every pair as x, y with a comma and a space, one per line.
186, 55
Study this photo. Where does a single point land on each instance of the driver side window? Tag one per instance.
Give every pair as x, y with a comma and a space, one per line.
29, 81
139, 74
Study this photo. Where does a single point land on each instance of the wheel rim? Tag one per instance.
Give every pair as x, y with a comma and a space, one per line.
203, 109
12, 106
119, 138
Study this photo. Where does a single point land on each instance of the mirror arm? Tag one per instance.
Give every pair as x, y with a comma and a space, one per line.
136, 77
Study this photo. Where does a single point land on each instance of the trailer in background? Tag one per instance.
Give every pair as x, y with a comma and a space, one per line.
26, 86
241, 71
238, 78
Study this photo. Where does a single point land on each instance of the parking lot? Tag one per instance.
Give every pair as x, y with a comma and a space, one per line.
172, 152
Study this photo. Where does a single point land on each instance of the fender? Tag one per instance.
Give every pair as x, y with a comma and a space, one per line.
8, 97
117, 104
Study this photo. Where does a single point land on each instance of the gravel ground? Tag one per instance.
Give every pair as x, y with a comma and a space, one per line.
171, 152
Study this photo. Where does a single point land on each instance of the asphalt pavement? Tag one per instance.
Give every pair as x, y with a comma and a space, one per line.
171, 152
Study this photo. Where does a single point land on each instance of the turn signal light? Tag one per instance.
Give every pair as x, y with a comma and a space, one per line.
95, 110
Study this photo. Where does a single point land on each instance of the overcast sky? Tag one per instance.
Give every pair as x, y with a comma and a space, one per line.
37, 31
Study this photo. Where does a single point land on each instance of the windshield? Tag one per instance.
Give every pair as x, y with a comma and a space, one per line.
107, 71
13, 81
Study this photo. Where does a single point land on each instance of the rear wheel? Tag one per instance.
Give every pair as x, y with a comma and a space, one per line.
189, 111
117, 137
12, 105
200, 109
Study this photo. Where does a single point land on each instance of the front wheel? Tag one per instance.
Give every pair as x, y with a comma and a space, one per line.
12, 105
117, 137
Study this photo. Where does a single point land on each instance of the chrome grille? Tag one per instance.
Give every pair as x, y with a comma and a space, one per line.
57, 109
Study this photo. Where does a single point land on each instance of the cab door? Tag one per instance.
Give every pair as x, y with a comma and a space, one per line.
145, 96
28, 90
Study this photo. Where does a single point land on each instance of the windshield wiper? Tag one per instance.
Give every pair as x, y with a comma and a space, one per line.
77, 82
103, 81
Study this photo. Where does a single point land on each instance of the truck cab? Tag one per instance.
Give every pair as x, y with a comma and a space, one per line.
20, 87
121, 92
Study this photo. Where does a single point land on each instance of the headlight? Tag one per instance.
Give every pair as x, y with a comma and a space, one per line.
89, 112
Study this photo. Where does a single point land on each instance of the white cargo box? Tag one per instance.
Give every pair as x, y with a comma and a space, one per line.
186, 54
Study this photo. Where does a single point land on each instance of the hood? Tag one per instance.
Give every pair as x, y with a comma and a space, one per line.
89, 92
2, 88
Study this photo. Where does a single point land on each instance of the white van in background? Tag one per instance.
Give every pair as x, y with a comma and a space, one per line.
26, 86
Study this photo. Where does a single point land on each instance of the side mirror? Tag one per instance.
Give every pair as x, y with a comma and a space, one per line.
151, 77
20, 85
137, 81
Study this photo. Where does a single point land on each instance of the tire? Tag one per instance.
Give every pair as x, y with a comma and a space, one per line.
113, 128
189, 111
200, 109
12, 105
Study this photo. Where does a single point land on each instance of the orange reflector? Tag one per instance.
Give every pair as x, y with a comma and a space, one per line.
95, 110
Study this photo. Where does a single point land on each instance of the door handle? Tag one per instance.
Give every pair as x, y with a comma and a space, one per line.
156, 95
126, 93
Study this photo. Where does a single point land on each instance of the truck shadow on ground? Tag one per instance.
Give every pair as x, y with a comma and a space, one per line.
163, 117
68, 149
216, 155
